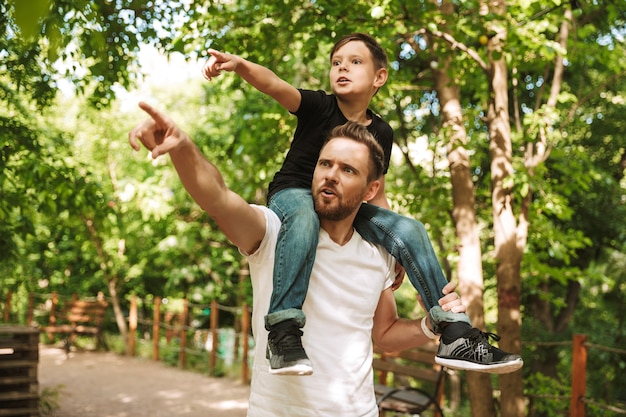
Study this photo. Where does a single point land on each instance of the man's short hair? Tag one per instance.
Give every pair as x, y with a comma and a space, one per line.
377, 51
360, 134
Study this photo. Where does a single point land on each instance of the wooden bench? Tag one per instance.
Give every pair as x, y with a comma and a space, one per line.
409, 382
77, 317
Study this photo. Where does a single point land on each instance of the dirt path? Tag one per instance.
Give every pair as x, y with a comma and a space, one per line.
97, 384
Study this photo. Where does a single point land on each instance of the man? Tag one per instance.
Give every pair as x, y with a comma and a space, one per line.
350, 301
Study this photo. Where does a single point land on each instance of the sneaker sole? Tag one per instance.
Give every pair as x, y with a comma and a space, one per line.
297, 370
496, 368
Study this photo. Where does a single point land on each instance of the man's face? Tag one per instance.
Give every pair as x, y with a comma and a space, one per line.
340, 179
352, 70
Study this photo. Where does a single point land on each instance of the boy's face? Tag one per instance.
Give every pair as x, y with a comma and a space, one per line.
353, 73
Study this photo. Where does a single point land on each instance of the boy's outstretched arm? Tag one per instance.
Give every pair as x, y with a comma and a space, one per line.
244, 225
258, 76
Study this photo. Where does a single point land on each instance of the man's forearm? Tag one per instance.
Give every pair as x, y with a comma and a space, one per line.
404, 334
201, 178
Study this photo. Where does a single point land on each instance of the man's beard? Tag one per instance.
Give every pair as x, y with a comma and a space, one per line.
339, 211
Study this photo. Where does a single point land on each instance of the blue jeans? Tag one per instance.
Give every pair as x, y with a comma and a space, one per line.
407, 241
295, 254
297, 243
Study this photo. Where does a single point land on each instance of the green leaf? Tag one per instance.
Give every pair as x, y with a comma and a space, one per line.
28, 16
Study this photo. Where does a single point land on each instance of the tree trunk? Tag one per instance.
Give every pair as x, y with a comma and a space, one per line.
508, 253
469, 267
119, 315
111, 279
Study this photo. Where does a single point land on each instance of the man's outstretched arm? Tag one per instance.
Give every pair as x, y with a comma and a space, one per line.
242, 224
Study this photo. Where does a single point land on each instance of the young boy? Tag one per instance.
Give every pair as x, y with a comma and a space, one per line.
358, 70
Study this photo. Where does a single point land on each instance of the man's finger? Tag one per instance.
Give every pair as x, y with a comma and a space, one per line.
132, 139
214, 52
449, 287
161, 120
133, 135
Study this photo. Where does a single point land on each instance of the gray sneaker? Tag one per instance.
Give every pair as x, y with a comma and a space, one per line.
285, 351
472, 352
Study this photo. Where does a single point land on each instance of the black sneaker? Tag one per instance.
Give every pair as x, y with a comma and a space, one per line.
285, 351
472, 352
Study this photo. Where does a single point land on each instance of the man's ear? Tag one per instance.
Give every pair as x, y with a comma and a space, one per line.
381, 77
372, 190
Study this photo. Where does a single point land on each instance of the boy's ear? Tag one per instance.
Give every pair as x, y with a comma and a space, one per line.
381, 77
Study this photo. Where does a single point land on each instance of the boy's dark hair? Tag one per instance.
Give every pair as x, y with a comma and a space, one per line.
360, 134
377, 51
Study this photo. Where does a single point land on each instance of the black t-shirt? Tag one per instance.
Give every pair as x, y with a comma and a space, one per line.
317, 116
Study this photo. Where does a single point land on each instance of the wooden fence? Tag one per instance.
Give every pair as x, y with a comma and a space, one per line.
168, 329
178, 325
578, 399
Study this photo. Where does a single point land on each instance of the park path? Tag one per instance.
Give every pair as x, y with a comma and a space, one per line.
104, 384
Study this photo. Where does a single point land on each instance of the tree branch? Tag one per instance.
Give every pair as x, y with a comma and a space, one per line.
454, 44
610, 80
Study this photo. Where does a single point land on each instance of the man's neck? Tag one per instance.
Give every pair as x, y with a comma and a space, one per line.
340, 232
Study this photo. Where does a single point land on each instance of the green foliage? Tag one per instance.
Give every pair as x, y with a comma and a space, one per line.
28, 16
603, 309
549, 397
88, 40
49, 400
30, 162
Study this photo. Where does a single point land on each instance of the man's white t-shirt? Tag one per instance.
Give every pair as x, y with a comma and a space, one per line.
343, 293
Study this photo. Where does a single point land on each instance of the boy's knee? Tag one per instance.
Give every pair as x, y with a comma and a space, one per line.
305, 218
410, 228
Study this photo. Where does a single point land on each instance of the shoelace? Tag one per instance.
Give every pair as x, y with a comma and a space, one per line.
290, 339
480, 336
